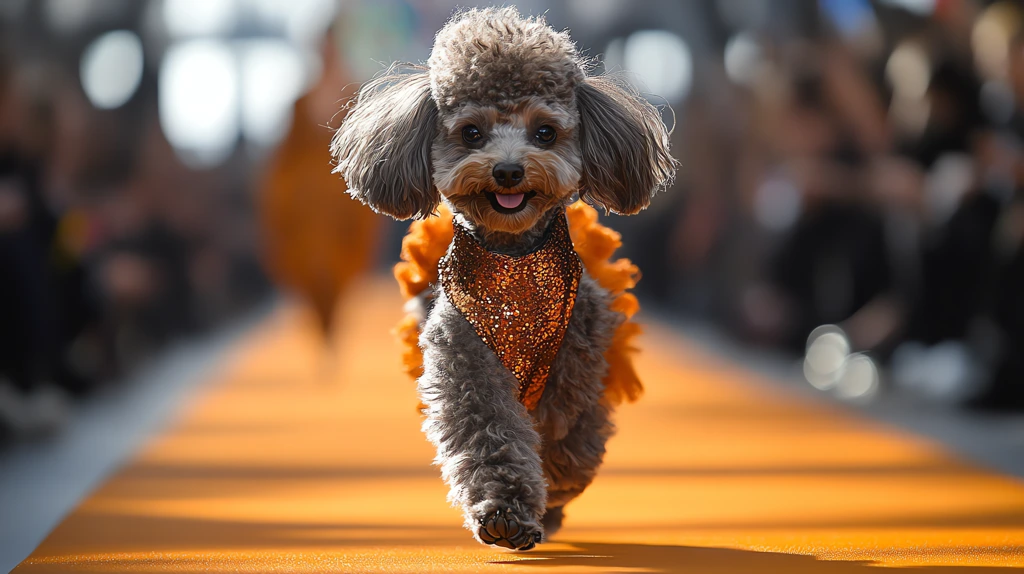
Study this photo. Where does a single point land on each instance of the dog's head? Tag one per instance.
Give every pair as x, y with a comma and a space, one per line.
504, 124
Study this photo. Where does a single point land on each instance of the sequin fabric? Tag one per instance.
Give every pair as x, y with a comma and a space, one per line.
519, 305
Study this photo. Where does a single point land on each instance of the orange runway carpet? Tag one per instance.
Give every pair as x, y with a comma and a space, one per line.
285, 465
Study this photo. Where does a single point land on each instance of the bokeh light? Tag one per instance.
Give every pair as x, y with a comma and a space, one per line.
859, 380
111, 68
273, 76
661, 62
908, 71
827, 350
743, 58
199, 100
991, 35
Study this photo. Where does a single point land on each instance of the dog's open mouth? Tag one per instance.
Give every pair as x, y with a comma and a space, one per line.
509, 203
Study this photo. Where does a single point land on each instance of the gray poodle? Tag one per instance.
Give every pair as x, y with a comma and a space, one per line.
505, 126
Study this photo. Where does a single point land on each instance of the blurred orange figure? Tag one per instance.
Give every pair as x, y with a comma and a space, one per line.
316, 239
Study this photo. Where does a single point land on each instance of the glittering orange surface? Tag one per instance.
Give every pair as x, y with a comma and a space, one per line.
279, 467
519, 306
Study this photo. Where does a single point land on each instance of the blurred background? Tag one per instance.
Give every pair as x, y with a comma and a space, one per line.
850, 198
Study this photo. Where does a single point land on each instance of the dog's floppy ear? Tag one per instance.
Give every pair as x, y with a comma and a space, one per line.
382, 149
624, 146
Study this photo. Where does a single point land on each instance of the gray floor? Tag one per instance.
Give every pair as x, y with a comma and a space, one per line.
41, 481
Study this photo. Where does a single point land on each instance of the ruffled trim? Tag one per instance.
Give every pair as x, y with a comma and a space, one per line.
428, 240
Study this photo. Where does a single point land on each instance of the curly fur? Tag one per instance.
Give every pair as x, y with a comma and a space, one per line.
624, 146
403, 151
383, 146
496, 57
487, 447
492, 452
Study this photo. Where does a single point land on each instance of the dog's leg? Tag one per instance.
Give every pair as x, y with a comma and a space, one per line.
571, 463
486, 444
572, 418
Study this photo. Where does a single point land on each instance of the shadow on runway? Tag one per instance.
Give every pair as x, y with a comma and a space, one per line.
697, 560
190, 535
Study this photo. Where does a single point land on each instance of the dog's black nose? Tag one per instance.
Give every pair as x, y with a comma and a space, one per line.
508, 174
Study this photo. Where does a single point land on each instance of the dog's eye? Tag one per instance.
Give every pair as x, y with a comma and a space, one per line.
471, 135
546, 135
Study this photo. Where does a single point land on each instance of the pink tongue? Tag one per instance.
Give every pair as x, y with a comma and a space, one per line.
509, 201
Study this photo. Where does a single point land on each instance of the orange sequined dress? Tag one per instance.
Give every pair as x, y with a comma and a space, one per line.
520, 306
547, 297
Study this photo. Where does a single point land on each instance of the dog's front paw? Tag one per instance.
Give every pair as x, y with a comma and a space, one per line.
504, 528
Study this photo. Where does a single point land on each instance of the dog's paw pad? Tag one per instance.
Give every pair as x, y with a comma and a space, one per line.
501, 528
